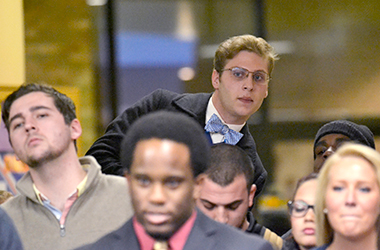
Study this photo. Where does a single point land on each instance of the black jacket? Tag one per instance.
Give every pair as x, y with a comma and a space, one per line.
267, 234
206, 234
289, 242
106, 149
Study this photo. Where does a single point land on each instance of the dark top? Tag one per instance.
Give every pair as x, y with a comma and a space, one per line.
106, 149
324, 247
9, 238
265, 233
206, 234
254, 227
289, 242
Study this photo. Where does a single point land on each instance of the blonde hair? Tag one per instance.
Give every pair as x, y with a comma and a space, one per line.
324, 229
232, 46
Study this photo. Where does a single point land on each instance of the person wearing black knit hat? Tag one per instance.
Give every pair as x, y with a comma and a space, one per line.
333, 134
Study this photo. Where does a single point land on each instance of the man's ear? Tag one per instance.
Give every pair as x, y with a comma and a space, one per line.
76, 129
215, 79
251, 195
198, 185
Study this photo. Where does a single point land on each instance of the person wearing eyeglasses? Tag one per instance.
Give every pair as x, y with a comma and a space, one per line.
302, 217
243, 67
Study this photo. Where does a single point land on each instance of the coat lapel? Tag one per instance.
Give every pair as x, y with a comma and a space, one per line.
127, 238
194, 105
201, 235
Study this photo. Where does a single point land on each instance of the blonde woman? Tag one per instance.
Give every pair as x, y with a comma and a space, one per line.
348, 199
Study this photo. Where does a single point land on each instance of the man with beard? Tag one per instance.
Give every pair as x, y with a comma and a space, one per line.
64, 201
227, 192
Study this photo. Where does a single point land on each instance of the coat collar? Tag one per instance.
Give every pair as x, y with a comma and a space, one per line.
25, 184
194, 105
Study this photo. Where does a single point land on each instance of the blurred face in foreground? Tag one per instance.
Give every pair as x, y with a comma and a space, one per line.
353, 198
161, 184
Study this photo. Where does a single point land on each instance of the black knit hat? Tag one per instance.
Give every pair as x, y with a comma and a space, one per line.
359, 133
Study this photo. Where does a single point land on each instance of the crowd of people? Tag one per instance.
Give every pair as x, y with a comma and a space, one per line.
181, 171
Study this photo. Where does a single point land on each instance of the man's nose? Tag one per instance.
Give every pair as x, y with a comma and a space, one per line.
157, 194
328, 152
221, 215
249, 83
29, 125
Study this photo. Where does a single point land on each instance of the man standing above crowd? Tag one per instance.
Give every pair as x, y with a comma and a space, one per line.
227, 192
242, 69
63, 202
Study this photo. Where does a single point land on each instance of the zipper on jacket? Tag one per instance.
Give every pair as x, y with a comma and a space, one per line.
62, 230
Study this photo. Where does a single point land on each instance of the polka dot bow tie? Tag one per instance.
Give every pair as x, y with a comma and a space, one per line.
215, 125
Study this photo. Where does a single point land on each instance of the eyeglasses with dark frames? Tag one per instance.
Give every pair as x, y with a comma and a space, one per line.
298, 208
260, 77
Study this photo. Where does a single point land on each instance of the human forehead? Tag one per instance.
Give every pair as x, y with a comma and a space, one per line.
352, 168
249, 60
151, 155
307, 191
26, 102
331, 139
238, 188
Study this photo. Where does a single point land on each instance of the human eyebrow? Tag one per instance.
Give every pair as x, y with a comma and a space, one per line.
320, 143
18, 115
206, 202
342, 140
174, 181
31, 109
139, 176
234, 204
35, 108
320, 148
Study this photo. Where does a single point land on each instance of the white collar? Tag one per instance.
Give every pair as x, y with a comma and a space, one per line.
212, 110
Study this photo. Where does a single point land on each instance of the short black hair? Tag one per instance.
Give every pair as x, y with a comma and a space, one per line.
62, 102
172, 126
227, 162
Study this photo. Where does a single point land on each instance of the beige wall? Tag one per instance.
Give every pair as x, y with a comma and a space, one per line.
12, 52
60, 46
53, 43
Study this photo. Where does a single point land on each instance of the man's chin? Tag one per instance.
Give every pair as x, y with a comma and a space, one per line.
34, 161
157, 234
